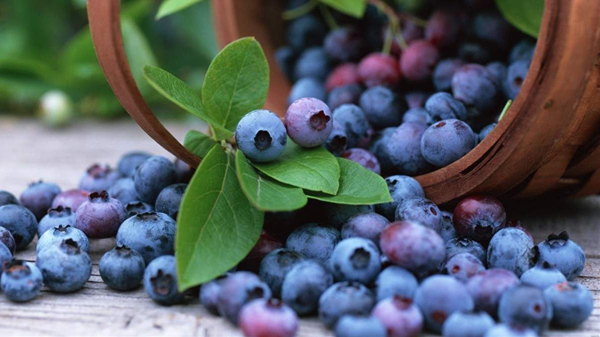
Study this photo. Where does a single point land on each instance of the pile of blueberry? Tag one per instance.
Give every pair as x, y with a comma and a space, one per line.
410, 100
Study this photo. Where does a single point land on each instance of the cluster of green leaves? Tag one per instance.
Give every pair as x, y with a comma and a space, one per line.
223, 208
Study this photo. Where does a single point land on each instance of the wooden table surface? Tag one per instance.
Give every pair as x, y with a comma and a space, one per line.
30, 152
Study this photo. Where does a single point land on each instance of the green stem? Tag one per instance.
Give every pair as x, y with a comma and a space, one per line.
506, 107
326, 13
389, 38
300, 10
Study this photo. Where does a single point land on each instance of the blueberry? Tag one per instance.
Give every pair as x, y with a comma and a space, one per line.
572, 304
505, 330
442, 106
313, 62
379, 148
479, 218
355, 122
56, 235
286, 57
59, 216
463, 266
209, 293
183, 171
337, 142
416, 99
150, 234
71, 198
368, 225
306, 31
343, 44
337, 214
511, 249
266, 244
314, 241
65, 266
486, 131
303, 285
238, 289
5, 256
100, 216
379, 69
395, 281
347, 94
417, 115
491, 26
98, 178
443, 27
399, 316
344, 298
363, 157
7, 198
461, 244
404, 149
38, 198
475, 86
487, 287
413, 246
268, 317
498, 72
138, 207
152, 176
400, 188
525, 305
522, 51
261, 136
442, 74
542, 275
467, 324
447, 232
382, 107
447, 141
477, 51
122, 268
275, 265
356, 260
418, 61
515, 76
359, 326
562, 253
124, 191
420, 210
308, 122
306, 87
344, 74
20, 222
160, 281
169, 199
21, 281
8, 240
130, 161
440, 296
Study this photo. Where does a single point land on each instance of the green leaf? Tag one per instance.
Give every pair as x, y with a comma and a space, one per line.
358, 186
236, 82
264, 193
311, 169
525, 15
181, 94
217, 226
198, 143
169, 7
355, 8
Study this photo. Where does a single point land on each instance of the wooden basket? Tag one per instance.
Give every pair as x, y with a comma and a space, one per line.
548, 143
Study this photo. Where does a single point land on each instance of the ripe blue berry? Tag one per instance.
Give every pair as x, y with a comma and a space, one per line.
347, 94
364, 158
343, 44
420, 210
304, 284
479, 218
379, 69
21, 281
65, 267
572, 304
7, 198
268, 317
337, 214
138, 207
306, 87
440, 296
393, 281
337, 142
306, 31
447, 232
498, 72
542, 275
511, 249
124, 191
98, 178
356, 260
275, 265
504, 330
355, 122
56, 217
169, 199
467, 324
447, 141
150, 234
20, 222
359, 326
464, 245
382, 107
443, 72
525, 305
285, 58
5, 256
8, 240
442, 105
238, 289
486, 131
404, 149
308, 122
152, 176
122, 268
314, 241
418, 61
523, 50
183, 171
400, 188
38, 197
261, 136
380, 150
463, 266
71, 198
413, 246
487, 287
160, 281
562, 253
475, 86
399, 316
368, 225
417, 115
100, 216
313, 62
515, 76
209, 293
56, 235
344, 298
130, 161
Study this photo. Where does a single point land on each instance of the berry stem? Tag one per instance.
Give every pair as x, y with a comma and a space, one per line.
328, 17
300, 10
506, 107
394, 32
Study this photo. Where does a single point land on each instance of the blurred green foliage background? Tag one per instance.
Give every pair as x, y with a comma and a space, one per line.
46, 46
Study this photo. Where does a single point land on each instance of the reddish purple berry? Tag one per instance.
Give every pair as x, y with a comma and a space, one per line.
443, 28
268, 318
98, 178
308, 122
100, 216
399, 316
418, 61
342, 75
363, 157
487, 287
379, 69
183, 171
38, 198
463, 266
266, 243
71, 198
479, 218
238, 289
